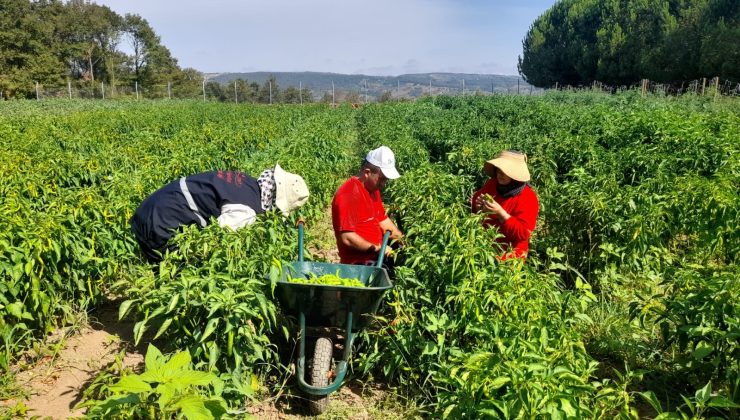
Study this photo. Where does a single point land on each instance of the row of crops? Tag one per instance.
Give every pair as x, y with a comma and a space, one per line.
627, 306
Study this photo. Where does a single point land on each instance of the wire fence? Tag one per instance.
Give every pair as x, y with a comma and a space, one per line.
241, 91
701, 87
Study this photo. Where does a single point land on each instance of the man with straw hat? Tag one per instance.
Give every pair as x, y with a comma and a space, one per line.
233, 198
510, 202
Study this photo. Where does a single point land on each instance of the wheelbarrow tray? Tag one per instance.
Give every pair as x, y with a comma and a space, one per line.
328, 305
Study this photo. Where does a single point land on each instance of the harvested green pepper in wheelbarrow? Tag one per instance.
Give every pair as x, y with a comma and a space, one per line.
327, 279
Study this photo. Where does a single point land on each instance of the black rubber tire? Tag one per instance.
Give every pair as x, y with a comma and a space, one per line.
319, 368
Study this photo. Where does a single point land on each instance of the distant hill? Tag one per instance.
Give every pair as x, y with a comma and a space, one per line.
405, 85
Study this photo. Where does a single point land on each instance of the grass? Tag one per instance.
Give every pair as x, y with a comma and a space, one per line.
9, 389
320, 239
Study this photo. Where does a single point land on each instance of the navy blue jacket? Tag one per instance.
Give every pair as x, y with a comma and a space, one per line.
161, 214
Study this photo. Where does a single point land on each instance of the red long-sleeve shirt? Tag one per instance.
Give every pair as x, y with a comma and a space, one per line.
523, 209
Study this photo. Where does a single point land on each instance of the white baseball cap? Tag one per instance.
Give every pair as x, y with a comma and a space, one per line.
291, 190
383, 158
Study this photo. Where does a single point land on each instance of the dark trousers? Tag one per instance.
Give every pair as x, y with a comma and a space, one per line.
152, 255
388, 263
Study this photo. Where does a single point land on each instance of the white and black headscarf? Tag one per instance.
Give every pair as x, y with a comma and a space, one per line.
266, 182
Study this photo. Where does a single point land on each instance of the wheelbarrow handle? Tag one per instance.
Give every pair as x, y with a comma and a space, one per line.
386, 236
300, 223
378, 264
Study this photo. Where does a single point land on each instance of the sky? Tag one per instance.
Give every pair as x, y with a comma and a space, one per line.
374, 37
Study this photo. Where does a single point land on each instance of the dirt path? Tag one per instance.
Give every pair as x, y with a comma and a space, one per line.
55, 383
351, 401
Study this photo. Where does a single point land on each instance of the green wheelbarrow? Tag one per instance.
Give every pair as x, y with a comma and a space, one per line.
322, 307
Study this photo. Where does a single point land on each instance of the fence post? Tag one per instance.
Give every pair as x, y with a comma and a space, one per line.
716, 87
37, 91
463, 87
69, 89
332, 93
204, 89
270, 83
430, 87
169, 91
300, 91
703, 85
517, 85
236, 98
102, 89
136, 86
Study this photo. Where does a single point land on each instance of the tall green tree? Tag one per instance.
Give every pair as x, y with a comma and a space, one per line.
187, 84
269, 91
150, 61
622, 41
93, 33
50, 41
294, 95
30, 46
215, 90
142, 39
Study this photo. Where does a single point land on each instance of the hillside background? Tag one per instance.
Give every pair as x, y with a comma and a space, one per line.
402, 86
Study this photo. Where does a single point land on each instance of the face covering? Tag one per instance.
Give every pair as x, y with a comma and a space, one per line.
511, 189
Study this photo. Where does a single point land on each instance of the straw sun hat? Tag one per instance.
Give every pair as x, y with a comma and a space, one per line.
511, 163
291, 190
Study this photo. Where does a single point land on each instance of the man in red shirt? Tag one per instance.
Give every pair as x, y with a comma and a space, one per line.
510, 202
357, 211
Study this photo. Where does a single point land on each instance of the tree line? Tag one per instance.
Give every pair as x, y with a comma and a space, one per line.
619, 42
243, 91
82, 45
53, 42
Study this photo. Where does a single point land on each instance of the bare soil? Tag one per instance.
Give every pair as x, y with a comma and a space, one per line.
56, 381
351, 401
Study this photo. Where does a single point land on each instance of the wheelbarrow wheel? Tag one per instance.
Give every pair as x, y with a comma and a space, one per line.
320, 367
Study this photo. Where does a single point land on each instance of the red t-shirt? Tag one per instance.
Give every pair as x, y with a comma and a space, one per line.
523, 209
355, 210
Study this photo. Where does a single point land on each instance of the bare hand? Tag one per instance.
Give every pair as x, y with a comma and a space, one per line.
492, 207
388, 250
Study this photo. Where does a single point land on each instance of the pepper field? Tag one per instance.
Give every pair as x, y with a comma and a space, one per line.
628, 305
